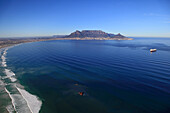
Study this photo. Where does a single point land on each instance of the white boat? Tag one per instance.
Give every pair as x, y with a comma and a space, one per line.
153, 50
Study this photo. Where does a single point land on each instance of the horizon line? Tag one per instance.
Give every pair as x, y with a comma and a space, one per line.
36, 36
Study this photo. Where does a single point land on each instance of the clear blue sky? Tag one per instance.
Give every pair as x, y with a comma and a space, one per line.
150, 18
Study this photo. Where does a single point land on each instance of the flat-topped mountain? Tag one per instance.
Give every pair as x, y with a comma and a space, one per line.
93, 34
88, 33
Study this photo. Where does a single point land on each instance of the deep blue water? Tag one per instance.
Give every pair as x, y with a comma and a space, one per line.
116, 76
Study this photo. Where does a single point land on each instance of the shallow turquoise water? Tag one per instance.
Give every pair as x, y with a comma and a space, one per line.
116, 76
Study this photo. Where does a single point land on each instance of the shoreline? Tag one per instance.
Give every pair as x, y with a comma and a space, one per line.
19, 99
89, 38
12, 42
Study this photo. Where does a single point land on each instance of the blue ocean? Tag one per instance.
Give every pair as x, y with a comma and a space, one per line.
114, 76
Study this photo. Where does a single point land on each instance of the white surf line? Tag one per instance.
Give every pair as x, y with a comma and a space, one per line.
29, 100
32, 101
11, 98
5, 51
10, 75
3, 61
3, 58
1, 82
10, 109
17, 100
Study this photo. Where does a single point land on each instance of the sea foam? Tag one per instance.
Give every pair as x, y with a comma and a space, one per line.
32, 101
11, 98
10, 109
18, 102
4, 58
10, 75
22, 101
1, 82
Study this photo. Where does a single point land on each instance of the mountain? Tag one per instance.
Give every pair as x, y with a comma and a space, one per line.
93, 34
89, 33
119, 36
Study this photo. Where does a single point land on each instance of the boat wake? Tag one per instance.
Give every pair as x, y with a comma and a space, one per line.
21, 100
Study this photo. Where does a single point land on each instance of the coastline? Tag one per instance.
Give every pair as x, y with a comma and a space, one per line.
4, 43
12, 42
90, 38
13, 81
79, 60
17, 98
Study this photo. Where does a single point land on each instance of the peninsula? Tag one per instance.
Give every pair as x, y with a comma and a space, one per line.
77, 35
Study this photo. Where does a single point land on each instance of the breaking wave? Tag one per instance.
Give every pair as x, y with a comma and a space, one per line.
4, 58
21, 100
32, 101
10, 75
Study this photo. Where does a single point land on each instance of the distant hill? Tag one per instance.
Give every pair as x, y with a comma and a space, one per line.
93, 34
119, 36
